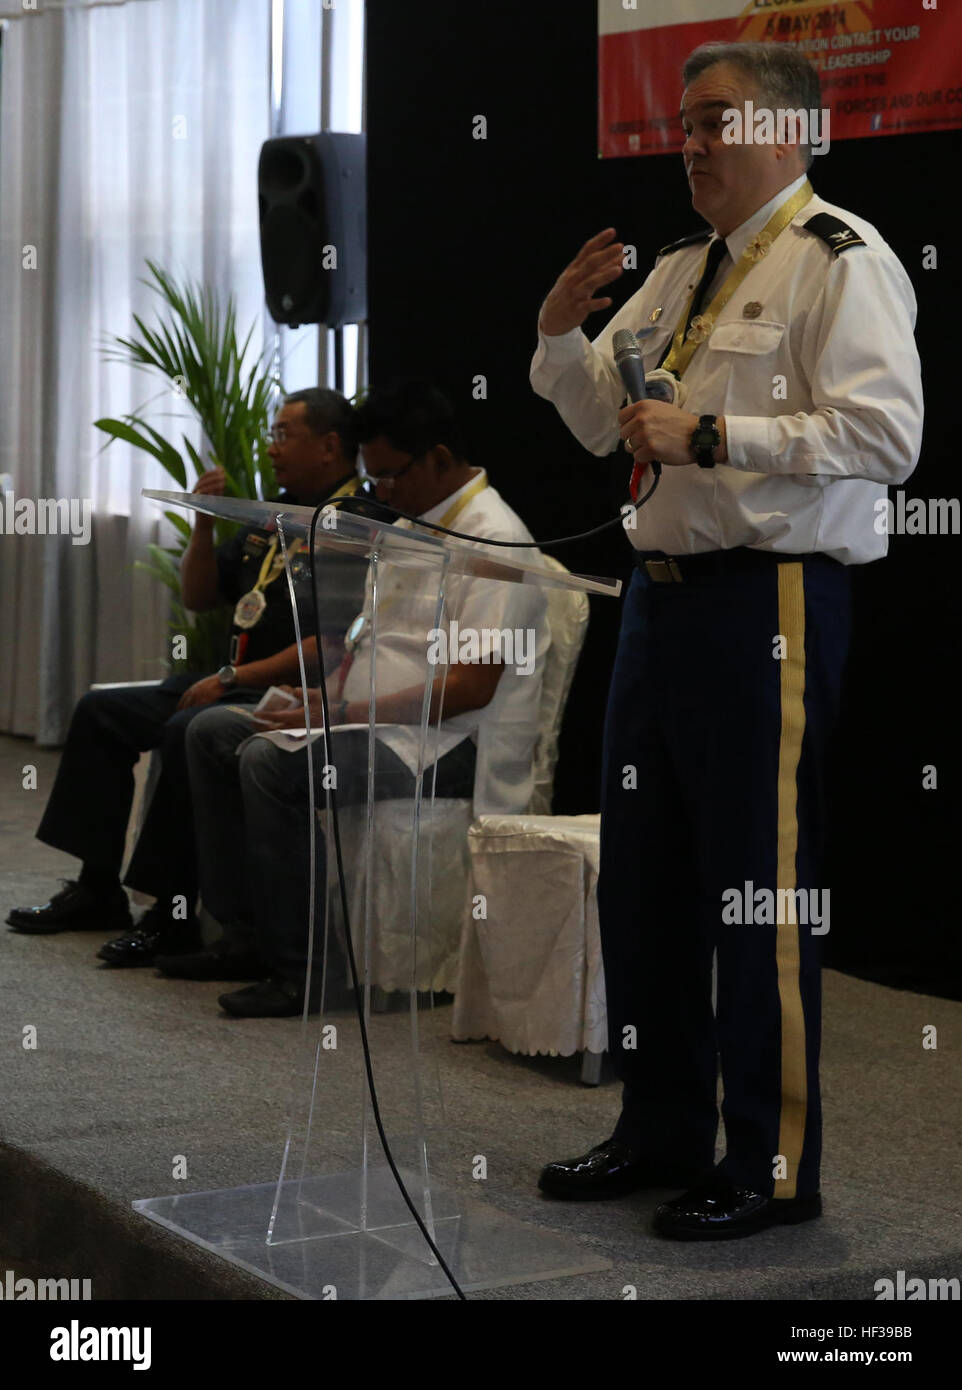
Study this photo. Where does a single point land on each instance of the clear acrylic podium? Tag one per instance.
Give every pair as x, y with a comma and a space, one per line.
396, 609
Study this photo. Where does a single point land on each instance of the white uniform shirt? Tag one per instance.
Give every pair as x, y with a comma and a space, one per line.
506, 729
804, 472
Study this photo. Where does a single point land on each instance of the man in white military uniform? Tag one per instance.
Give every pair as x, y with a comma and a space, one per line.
789, 331
252, 821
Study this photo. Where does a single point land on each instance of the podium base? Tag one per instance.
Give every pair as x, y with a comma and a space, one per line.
323, 1246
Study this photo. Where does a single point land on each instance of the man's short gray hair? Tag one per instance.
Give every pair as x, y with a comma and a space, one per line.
326, 410
785, 77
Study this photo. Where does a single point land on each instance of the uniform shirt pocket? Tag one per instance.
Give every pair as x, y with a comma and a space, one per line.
755, 338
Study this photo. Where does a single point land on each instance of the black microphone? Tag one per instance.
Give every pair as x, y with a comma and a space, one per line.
631, 369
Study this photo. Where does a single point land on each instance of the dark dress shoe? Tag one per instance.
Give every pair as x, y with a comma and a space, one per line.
216, 963
155, 932
273, 998
74, 908
612, 1169
719, 1210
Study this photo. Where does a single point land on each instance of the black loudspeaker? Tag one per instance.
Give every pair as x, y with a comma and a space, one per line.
313, 220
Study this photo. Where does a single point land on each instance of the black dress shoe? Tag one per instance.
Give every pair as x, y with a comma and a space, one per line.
216, 963
273, 998
155, 932
717, 1209
74, 908
610, 1170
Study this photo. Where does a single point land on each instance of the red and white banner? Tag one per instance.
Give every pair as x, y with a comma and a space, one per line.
887, 66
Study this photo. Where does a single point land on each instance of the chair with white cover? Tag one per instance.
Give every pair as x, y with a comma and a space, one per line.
445, 870
530, 973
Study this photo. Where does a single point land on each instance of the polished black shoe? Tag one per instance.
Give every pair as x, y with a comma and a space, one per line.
611, 1169
154, 933
273, 998
74, 908
718, 1209
216, 963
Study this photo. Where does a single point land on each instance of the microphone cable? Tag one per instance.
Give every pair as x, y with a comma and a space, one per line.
349, 943
368, 501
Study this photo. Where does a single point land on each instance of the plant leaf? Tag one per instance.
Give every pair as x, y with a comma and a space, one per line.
118, 429
180, 524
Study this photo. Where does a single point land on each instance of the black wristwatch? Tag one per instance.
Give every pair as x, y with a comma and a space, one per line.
705, 439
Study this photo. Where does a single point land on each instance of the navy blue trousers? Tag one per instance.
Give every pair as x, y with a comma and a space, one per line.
89, 805
723, 700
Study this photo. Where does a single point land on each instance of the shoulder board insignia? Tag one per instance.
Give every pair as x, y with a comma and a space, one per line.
692, 240
254, 544
834, 232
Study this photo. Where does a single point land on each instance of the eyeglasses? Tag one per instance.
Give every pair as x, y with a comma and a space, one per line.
279, 434
386, 479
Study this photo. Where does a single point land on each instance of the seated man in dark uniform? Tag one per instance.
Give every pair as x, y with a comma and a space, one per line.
313, 454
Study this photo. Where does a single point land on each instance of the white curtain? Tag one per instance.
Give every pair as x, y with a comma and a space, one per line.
126, 132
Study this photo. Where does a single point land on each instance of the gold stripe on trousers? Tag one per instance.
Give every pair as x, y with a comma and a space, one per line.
794, 1075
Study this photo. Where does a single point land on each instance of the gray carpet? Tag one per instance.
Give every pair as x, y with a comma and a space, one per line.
131, 1070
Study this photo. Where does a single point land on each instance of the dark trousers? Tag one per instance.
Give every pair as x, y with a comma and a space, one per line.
89, 805
714, 778
254, 831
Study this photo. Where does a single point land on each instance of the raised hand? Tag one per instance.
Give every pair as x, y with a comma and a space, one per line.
213, 482
570, 300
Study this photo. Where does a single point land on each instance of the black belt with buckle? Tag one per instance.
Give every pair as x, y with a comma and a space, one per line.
676, 569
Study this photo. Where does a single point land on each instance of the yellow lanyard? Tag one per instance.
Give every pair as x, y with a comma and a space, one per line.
683, 348
471, 491
386, 604
347, 489
272, 567
479, 484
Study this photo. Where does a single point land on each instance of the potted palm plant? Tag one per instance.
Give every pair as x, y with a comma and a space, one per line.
195, 347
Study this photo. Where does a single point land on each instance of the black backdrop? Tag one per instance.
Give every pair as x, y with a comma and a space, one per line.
465, 238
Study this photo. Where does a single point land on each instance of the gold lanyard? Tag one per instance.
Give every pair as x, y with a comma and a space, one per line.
453, 512
386, 604
262, 578
272, 566
347, 489
479, 484
683, 348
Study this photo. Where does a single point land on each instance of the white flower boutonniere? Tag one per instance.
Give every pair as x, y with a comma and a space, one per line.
759, 246
700, 329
